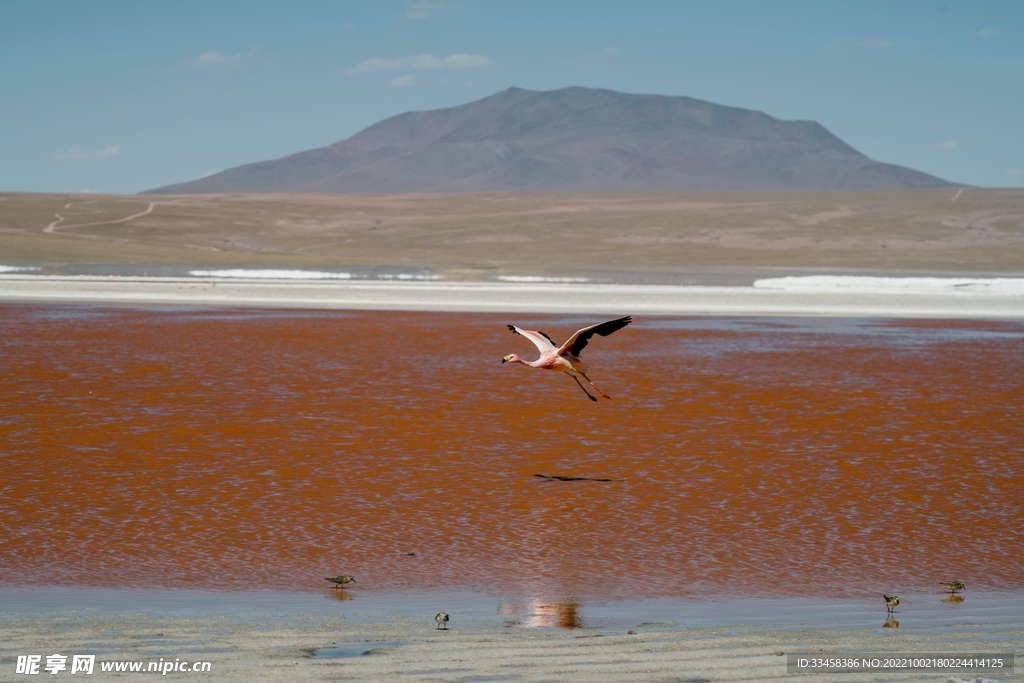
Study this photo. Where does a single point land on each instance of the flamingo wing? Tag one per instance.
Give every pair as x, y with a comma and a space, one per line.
577, 342
540, 340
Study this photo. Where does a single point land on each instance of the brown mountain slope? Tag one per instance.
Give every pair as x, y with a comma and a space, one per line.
574, 138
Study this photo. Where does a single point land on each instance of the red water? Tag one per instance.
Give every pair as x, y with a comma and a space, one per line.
264, 448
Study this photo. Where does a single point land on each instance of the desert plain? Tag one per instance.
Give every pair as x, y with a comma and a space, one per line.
704, 237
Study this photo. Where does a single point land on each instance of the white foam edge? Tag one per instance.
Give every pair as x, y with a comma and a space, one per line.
270, 274
864, 284
539, 278
407, 276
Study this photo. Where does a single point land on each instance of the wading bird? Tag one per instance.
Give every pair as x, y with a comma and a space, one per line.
891, 601
340, 581
566, 357
953, 586
442, 620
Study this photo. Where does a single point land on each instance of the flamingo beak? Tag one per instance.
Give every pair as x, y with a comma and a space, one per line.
504, 360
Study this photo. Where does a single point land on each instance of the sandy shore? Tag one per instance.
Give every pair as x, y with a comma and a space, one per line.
502, 296
341, 643
405, 649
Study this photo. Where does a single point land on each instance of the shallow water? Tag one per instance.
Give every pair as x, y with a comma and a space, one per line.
268, 449
982, 613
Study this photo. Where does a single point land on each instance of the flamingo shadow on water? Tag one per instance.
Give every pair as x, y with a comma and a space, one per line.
566, 358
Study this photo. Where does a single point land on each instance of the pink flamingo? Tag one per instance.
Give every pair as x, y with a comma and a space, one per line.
567, 356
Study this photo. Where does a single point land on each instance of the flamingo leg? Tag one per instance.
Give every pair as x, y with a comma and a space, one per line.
581, 386
595, 387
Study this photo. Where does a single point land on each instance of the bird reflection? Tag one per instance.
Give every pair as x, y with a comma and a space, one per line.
542, 614
953, 599
890, 622
343, 596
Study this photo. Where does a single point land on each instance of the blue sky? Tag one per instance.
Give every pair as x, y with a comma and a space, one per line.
124, 96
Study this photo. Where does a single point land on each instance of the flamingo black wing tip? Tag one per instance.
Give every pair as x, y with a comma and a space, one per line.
611, 326
547, 337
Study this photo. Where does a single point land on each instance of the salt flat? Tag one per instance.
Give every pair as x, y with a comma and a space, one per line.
1006, 301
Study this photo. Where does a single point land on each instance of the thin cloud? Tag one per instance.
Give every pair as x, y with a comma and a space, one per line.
456, 61
422, 8
214, 58
877, 42
1015, 172
77, 153
985, 33
402, 81
612, 50
948, 144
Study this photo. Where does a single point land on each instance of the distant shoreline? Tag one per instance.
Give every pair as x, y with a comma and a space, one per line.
531, 297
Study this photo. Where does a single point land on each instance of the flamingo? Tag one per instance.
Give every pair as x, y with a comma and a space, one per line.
566, 357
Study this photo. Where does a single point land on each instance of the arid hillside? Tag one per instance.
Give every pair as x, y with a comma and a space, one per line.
572, 139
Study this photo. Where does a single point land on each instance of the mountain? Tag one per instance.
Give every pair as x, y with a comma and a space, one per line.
574, 138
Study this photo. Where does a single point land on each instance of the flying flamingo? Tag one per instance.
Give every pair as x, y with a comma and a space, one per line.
567, 356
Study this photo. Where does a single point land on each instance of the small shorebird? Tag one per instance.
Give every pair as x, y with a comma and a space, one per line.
891, 601
566, 358
953, 586
340, 581
442, 620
